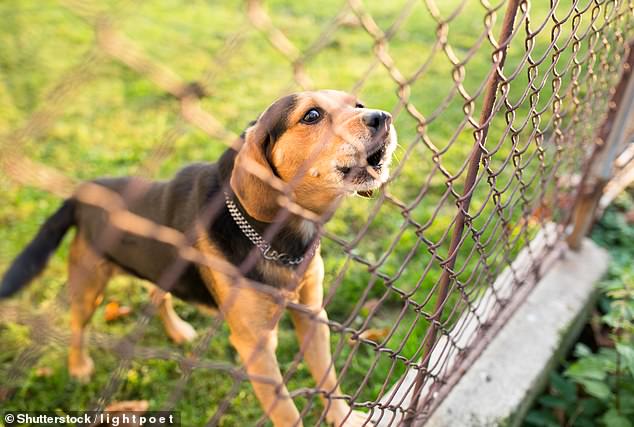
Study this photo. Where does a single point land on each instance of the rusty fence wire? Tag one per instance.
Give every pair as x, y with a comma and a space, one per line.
502, 110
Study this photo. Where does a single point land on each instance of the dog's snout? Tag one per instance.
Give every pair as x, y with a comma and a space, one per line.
376, 120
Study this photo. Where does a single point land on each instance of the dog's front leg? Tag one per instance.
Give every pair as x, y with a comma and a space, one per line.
258, 356
314, 338
252, 317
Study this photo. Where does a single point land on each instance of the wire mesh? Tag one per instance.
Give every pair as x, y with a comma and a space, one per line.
497, 106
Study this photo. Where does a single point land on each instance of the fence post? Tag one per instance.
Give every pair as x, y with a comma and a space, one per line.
480, 134
611, 140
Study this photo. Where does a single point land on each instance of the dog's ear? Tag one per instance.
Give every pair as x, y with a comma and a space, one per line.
257, 196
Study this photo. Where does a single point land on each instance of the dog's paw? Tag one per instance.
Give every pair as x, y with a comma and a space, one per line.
357, 419
351, 419
81, 368
181, 332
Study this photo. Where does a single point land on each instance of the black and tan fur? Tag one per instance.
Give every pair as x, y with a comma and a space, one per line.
347, 150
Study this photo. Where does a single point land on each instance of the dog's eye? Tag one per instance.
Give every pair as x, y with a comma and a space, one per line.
359, 105
312, 116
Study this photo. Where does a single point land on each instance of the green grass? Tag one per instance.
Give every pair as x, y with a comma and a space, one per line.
109, 124
593, 385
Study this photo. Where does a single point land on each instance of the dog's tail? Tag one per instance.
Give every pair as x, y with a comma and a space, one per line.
34, 257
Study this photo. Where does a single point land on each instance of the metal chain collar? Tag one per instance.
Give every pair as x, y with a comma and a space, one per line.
265, 247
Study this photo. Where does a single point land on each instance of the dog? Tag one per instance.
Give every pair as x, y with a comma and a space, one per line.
318, 147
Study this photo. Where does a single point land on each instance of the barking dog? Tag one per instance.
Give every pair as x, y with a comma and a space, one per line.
320, 146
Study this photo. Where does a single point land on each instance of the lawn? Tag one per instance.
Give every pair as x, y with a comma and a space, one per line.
111, 122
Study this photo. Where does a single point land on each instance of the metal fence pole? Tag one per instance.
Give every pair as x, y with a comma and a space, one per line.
499, 56
611, 138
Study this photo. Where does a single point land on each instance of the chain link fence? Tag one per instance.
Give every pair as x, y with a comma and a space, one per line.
501, 110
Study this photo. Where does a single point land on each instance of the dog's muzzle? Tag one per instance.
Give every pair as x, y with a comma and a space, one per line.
378, 123
371, 170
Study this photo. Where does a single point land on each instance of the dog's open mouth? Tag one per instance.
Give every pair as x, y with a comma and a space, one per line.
375, 158
365, 174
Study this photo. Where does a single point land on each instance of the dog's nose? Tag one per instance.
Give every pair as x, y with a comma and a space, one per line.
376, 120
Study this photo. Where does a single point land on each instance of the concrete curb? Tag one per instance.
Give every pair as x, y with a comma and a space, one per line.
500, 386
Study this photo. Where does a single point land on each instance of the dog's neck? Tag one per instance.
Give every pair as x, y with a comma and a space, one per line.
295, 235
